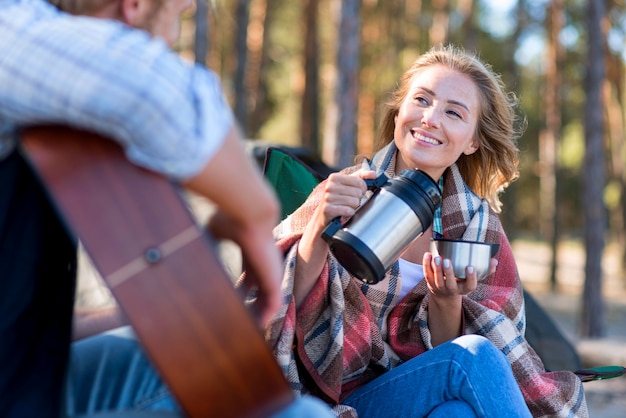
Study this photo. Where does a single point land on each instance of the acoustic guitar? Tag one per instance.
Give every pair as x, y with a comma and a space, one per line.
163, 270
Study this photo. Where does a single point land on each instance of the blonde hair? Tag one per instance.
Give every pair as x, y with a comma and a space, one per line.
494, 165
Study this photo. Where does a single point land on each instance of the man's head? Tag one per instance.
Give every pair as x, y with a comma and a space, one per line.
161, 18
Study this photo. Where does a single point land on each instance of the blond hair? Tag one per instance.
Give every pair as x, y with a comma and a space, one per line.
494, 165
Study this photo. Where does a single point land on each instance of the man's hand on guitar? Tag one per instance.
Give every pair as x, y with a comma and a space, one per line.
263, 261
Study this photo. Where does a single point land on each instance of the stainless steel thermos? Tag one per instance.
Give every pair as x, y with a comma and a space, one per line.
399, 211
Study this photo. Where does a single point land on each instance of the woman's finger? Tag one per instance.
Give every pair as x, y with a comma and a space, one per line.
470, 282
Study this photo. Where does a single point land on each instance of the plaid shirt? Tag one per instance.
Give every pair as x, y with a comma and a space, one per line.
103, 76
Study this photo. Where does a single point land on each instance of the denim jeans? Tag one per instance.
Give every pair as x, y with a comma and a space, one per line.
465, 377
109, 373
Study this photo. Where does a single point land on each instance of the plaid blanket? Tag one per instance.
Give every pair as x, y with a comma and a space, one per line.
347, 333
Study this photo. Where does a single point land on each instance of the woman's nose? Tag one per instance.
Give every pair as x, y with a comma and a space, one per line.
430, 117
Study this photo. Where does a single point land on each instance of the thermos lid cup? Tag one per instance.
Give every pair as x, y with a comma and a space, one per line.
466, 253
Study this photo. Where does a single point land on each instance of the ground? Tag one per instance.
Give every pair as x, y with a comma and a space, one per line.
606, 399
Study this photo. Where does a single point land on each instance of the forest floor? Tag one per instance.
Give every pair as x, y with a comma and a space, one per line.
606, 398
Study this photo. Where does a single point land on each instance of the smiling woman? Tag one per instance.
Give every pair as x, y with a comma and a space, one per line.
370, 348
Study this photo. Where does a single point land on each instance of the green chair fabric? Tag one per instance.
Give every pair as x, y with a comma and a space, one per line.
291, 178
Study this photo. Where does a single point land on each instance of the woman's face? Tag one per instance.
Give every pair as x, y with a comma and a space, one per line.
436, 121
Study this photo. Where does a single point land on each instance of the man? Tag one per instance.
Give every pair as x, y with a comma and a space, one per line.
103, 76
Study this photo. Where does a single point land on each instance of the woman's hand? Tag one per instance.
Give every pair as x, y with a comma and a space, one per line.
437, 270
342, 196
441, 280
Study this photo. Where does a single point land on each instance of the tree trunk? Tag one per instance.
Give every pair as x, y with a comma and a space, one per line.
438, 32
593, 315
241, 51
616, 130
509, 213
346, 94
550, 139
309, 117
264, 104
201, 36
468, 9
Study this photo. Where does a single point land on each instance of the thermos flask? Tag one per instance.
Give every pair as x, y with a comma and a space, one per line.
399, 211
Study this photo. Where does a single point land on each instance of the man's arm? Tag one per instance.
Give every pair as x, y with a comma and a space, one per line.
248, 212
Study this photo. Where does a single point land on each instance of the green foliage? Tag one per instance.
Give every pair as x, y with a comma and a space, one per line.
612, 194
572, 147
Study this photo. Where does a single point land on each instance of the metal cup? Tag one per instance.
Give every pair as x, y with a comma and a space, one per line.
466, 253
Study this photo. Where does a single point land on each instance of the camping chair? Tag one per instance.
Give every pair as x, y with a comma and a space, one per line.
293, 181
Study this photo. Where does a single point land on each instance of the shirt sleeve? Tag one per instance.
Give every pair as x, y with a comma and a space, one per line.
169, 115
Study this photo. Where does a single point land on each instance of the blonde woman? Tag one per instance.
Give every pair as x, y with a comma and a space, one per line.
421, 342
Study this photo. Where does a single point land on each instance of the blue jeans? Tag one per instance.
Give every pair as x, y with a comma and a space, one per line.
465, 377
109, 373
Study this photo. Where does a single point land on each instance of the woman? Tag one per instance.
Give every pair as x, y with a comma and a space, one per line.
383, 349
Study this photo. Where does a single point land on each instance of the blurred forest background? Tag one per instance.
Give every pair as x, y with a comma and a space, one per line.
314, 74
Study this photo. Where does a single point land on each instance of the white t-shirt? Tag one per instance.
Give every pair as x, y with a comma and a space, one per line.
411, 274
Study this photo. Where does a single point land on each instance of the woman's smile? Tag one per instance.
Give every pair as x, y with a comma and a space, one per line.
424, 138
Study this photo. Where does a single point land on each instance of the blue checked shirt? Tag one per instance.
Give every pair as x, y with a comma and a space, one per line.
100, 75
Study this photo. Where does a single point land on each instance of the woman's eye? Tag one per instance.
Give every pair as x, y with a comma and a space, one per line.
421, 99
455, 114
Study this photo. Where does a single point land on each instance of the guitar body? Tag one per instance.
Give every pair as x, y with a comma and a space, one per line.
163, 271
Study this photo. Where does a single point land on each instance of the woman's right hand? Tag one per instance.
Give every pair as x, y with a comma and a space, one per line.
341, 196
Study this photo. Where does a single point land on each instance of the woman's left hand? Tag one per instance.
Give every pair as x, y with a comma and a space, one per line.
442, 282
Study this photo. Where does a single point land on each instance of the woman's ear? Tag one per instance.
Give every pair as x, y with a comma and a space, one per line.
472, 147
